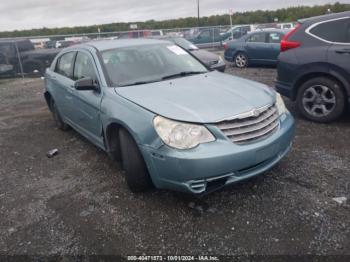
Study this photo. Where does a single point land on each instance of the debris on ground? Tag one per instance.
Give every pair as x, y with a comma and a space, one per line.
340, 200
52, 153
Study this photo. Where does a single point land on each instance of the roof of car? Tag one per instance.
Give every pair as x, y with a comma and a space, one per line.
102, 45
269, 30
325, 17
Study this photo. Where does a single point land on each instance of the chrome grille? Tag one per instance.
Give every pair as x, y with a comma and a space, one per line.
251, 128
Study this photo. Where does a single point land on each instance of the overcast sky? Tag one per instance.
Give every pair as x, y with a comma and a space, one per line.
27, 14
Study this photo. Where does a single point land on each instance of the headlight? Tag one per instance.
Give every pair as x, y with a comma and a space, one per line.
220, 59
181, 135
280, 104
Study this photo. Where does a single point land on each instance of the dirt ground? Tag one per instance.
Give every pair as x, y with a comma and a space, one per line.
78, 203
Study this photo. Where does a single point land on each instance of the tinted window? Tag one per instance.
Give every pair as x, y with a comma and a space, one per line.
333, 31
84, 67
65, 65
25, 45
275, 38
257, 38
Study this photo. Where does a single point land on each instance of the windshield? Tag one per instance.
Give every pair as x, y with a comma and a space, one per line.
148, 63
185, 44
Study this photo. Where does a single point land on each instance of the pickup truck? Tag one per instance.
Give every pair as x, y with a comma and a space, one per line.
14, 52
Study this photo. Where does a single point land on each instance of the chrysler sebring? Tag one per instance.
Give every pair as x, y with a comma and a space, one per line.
172, 123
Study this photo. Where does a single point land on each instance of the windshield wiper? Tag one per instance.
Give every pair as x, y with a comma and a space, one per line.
184, 73
141, 83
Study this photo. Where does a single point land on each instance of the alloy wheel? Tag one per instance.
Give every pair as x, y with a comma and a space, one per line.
241, 60
319, 100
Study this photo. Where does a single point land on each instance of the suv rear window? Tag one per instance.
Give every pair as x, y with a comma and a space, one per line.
333, 31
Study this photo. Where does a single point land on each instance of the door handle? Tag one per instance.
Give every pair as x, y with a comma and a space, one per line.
343, 51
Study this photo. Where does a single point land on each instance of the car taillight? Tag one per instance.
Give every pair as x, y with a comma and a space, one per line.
225, 45
286, 44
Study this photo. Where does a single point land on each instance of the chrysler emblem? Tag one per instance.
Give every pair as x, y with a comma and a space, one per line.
255, 113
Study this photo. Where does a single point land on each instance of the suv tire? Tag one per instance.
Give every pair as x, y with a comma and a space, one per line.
321, 99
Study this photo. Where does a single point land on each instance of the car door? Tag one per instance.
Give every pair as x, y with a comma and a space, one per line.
274, 40
339, 52
203, 37
87, 103
63, 85
257, 47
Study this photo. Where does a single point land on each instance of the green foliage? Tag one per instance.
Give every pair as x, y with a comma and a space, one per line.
283, 15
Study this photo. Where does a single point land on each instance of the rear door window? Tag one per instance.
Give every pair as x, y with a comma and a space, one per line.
257, 38
65, 65
275, 38
333, 31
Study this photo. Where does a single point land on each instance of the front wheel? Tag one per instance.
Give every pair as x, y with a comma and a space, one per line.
134, 165
321, 99
241, 60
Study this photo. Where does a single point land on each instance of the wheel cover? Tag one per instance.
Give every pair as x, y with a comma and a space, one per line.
241, 60
319, 100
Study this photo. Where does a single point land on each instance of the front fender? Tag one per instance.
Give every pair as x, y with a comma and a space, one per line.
136, 120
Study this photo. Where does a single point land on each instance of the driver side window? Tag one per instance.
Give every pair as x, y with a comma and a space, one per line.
84, 67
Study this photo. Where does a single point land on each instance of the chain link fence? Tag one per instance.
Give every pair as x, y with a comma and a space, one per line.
28, 56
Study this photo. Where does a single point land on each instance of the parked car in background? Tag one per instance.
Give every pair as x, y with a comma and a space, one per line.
50, 44
238, 31
172, 123
260, 47
208, 37
64, 43
314, 66
286, 26
211, 60
18, 54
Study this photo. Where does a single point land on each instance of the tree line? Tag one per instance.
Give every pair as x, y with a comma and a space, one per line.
283, 15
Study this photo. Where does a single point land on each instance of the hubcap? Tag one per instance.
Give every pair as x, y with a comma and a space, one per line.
241, 60
319, 100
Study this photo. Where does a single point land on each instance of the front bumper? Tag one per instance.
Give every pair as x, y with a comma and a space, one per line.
285, 89
221, 66
211, 166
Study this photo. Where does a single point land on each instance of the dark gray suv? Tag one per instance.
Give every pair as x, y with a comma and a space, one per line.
314, 66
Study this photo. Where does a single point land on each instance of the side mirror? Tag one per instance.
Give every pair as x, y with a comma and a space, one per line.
85, 84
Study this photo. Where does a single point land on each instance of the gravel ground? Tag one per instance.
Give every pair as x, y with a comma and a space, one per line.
78, 202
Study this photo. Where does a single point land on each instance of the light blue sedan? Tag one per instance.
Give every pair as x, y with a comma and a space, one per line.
173, 124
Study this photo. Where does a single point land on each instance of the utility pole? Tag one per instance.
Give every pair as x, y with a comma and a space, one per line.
198, 13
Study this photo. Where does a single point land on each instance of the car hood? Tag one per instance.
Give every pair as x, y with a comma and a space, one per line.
204, 98
205, 56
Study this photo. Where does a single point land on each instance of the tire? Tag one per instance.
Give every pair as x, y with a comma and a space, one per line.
241, 60
57, 117
137, 176
321, 99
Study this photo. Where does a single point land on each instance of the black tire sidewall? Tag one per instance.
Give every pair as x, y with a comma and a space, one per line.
339, 94
57, 117
137, 176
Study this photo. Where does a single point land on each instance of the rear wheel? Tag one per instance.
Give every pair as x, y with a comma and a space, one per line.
57, 117
241, 60
134, 165
321, 99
